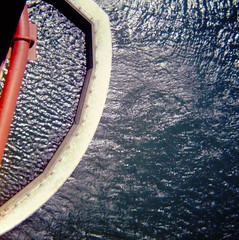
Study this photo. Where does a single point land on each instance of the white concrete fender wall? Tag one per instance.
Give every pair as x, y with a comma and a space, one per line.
74, 146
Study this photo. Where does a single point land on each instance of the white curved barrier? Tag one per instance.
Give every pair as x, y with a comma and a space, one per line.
67, 157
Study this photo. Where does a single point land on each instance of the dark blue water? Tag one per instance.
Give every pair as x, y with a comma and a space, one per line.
164, 161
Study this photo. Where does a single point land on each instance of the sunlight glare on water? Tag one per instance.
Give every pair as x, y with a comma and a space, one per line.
164, 161
48, 99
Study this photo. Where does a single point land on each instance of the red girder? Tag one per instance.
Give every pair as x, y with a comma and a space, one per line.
19, 56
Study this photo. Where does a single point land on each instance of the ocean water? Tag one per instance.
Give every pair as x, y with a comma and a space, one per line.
164, 162
48, 98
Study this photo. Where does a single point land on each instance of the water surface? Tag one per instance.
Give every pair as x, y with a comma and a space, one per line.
164, 161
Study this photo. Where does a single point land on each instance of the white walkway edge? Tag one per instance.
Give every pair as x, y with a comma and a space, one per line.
74, 146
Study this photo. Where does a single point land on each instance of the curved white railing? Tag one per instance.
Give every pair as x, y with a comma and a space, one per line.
75, 144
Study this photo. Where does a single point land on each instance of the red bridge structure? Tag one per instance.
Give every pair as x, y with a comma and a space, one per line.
17, 47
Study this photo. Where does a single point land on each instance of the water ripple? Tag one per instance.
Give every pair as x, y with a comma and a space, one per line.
164, 160
48, 99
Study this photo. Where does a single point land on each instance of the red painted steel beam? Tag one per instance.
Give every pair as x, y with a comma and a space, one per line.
20, 47
11, 11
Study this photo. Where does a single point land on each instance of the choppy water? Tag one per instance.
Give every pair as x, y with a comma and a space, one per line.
47, 101
164, 161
